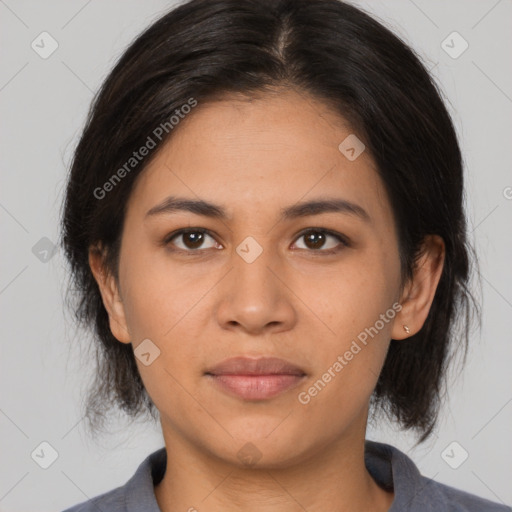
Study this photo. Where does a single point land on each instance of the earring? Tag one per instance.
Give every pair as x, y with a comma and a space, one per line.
406, 329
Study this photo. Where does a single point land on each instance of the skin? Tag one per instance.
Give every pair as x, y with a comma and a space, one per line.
295, 301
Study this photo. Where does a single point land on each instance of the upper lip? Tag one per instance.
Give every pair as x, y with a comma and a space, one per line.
255, 366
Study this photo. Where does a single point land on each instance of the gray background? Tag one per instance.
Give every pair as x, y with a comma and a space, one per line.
43, 374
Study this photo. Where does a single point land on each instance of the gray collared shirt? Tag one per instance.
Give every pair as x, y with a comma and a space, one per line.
389, 467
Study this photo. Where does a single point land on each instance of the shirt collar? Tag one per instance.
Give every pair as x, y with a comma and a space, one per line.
392, 468
140, 492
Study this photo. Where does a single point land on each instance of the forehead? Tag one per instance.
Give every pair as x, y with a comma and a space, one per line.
254, 155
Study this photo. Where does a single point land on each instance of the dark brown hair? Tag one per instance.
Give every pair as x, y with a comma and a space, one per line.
333, 52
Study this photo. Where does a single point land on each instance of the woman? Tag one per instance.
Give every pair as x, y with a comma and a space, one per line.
264, 219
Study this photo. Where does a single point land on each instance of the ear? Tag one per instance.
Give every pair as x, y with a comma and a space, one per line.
418, 293
109, 290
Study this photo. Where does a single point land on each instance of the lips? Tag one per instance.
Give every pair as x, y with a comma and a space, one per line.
259, 366
255, 379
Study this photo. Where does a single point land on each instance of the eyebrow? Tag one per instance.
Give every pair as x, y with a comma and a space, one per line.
174, 204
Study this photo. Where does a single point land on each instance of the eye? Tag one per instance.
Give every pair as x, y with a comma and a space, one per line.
192, 239
315, 238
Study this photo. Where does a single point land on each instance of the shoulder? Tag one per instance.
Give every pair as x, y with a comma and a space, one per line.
393, 469
137, 494
461, 501
112, 501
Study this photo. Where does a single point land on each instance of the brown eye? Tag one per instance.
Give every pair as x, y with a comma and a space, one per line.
315, 239
191, 239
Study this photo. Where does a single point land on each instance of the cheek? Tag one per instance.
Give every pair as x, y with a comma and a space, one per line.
154, 312
155, 295
359, 309
159, 305
362, 290
347, 369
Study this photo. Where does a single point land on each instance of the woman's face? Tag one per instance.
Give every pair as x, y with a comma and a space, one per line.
260, 283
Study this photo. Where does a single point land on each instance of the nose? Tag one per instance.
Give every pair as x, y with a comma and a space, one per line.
255, 297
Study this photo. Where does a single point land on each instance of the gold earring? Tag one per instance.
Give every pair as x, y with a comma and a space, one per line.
406, 329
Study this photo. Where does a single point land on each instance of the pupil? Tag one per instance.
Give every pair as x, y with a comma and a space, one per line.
196, 238
317, 239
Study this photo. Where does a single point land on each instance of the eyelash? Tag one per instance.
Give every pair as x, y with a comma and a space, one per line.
341, 238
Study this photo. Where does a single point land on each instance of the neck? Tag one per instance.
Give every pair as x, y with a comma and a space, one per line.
333, 478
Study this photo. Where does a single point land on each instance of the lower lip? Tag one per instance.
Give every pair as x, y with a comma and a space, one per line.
256, 387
